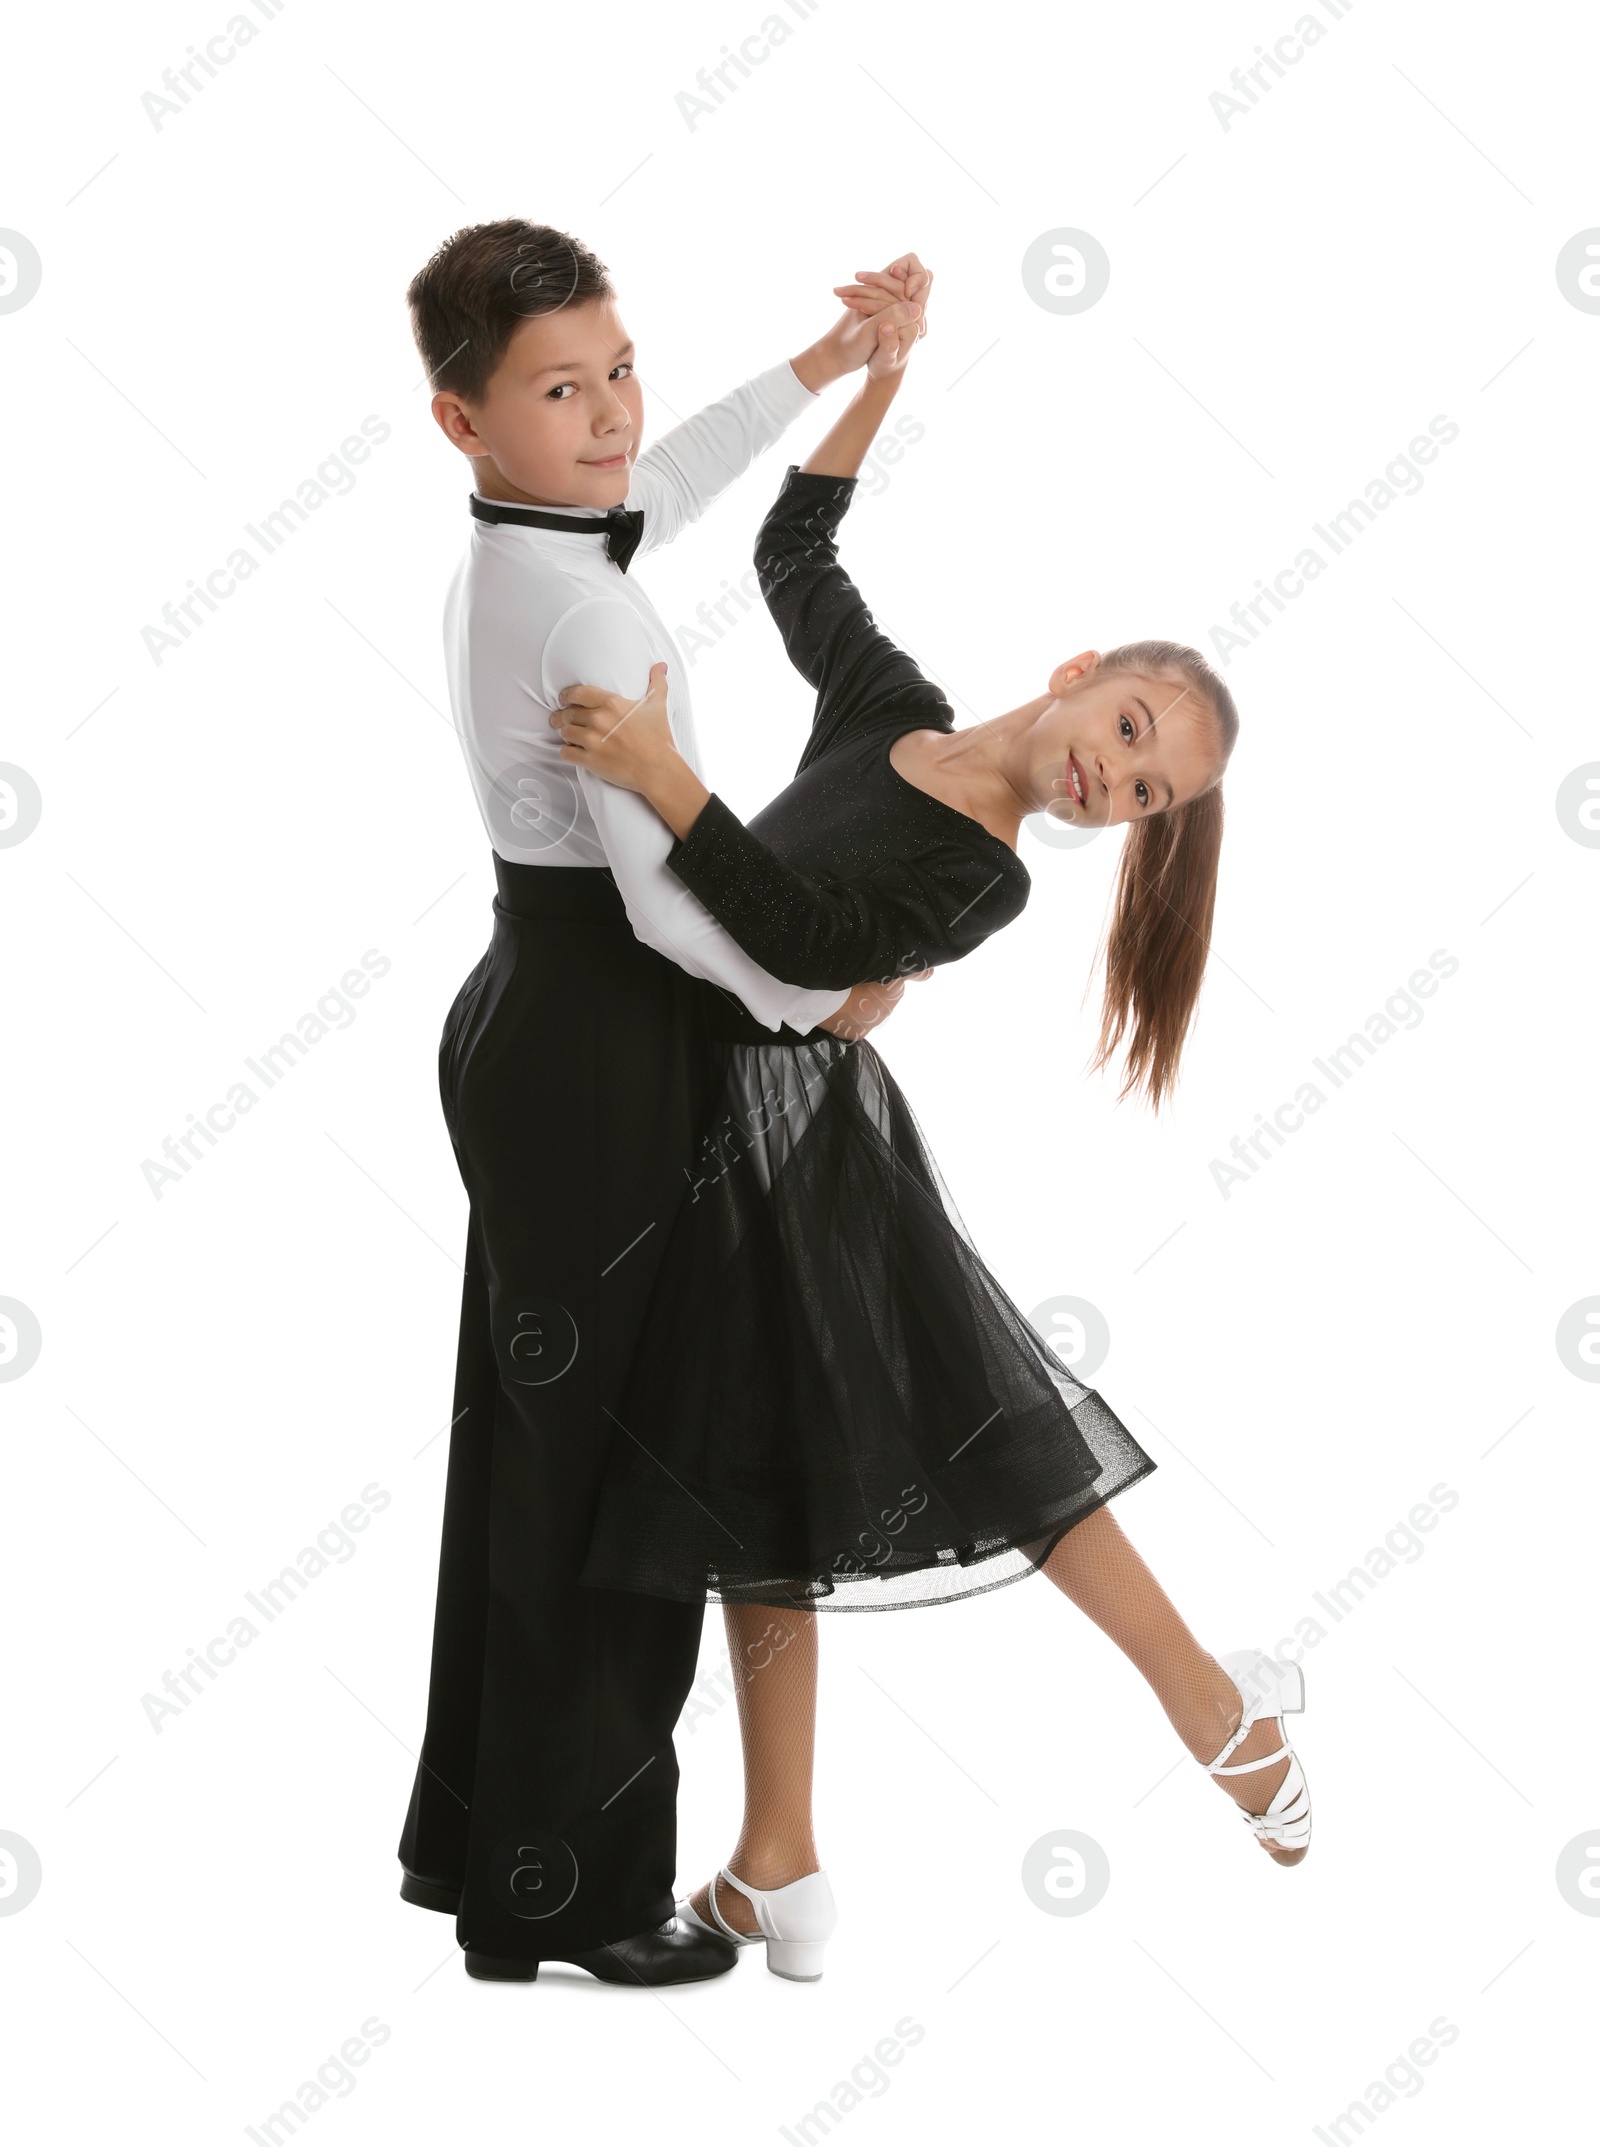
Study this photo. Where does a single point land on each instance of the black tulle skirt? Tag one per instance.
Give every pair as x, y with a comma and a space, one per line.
834, 1404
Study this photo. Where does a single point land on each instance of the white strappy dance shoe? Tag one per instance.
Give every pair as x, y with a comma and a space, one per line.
796, 1921
1270, 1690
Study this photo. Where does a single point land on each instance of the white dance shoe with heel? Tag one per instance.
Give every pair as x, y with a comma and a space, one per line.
1270, 1690
795, 1922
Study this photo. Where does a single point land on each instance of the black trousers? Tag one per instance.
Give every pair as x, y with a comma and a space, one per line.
575, 1074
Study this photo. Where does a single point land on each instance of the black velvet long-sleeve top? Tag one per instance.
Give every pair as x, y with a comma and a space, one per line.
851, 873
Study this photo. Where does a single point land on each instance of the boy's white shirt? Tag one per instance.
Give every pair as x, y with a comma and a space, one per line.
533, 610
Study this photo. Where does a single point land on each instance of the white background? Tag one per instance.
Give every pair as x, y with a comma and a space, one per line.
1293, 298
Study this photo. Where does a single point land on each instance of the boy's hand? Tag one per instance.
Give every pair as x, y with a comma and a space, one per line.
869, 1004
873, 289
627, 741
853, 339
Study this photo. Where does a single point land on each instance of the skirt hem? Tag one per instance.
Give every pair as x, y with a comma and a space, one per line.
1027, 1552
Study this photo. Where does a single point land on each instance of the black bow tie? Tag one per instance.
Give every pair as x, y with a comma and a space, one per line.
622, 526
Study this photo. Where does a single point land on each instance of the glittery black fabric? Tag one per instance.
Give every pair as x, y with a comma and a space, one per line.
834, 1404
851, 872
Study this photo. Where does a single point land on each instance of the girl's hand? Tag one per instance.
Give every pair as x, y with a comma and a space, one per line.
627, 741
853, 339
897, 339
904, 279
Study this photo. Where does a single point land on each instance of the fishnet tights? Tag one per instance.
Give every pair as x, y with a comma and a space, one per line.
774, 1653
774, 1658
1095, 1566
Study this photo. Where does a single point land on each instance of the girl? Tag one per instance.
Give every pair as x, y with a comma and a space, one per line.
835, 1405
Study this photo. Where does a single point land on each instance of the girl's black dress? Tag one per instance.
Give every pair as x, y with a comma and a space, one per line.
834, 1404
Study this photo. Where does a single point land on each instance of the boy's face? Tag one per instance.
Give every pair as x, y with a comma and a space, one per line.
560, 421
1114, 747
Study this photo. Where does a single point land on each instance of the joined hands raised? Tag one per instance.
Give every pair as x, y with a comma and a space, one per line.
629, 742
886, 313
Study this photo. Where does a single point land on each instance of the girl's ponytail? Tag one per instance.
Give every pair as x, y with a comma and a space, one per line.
1160, 930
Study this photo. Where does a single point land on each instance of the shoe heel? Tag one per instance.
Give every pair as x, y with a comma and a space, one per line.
1292, 1690
1265, 1684
429, 1893
804, 1908
490, 1969
796, 1960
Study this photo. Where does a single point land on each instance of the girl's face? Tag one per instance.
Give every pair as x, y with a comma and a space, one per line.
561, 418
1110, 747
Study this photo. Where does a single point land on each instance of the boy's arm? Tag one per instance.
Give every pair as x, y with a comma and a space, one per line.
888, 923
675, 481
627, 739
604, 639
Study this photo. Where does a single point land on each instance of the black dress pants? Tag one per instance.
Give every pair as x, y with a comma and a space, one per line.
575, 1074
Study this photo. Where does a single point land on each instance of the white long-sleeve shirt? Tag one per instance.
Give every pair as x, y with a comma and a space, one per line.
533, 610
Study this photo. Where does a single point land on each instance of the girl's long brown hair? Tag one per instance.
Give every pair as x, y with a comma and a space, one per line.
1159, 932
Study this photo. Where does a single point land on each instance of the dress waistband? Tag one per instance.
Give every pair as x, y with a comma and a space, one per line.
586, 892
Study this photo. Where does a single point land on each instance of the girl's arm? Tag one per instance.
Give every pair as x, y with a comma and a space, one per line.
819, 935
843, 447
675, 481
631, 744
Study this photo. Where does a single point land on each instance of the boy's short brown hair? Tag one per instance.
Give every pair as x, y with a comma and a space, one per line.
482, 284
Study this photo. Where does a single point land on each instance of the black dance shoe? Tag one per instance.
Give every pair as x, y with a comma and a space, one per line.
673, 1953
429, 1893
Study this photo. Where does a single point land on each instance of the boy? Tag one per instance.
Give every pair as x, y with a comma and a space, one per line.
574, 1076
